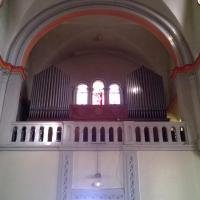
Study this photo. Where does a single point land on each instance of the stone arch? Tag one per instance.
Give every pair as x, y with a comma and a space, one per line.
166, 32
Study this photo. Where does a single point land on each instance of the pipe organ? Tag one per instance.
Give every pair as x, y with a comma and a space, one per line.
145, 95
50, 95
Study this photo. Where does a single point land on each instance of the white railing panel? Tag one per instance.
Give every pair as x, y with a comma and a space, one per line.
131, 126
37, 125
163, 135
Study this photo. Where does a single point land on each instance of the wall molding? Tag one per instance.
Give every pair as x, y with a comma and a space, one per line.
131, 176
192, 147
101, 194
64, 176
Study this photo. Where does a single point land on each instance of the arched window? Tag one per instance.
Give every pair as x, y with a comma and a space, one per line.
114, 94
82, 94
98, 93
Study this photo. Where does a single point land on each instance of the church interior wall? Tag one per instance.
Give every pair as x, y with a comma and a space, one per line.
28, 175
10, 105
196, 29
36, 172
186, 108
169, 175
3, 27
162, 174
110, 164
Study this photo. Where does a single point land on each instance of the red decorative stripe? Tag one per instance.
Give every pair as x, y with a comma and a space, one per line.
12, 68
185, 68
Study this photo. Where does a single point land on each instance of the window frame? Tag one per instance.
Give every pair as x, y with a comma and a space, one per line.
76, 93
120, 93
104, 92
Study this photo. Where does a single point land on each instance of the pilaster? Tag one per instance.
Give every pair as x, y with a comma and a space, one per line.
131, 182
187, 107
10, 103
90, 90
65, 176
196, 102
3, 83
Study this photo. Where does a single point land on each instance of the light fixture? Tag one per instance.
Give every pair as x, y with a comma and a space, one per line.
97, 183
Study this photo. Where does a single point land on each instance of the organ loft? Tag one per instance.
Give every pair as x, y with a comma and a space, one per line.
52, 98
99, 100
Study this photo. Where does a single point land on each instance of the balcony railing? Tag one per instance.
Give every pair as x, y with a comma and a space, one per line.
70, 133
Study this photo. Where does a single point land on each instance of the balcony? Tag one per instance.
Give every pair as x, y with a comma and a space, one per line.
120, 135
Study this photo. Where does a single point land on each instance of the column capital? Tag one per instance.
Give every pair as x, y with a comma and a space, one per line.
12, 68
185, 68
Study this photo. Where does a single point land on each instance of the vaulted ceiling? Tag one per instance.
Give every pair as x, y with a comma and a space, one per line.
89, 34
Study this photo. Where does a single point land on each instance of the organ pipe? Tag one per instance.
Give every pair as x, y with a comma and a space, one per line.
145, 95
50, 95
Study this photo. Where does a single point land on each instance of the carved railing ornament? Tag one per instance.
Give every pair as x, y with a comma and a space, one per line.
131, 173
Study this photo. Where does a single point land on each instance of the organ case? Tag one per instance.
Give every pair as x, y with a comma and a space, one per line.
50, 95
145, 95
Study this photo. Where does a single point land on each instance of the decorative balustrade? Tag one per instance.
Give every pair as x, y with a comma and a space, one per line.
36, 133
164, 133
107, 133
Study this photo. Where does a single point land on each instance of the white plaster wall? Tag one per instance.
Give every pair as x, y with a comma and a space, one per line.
163, 175
10, 105
169, 175
110, 166
196, 28
28, 175
178, 8
186, 104
3, 81
3, 26
187, 12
